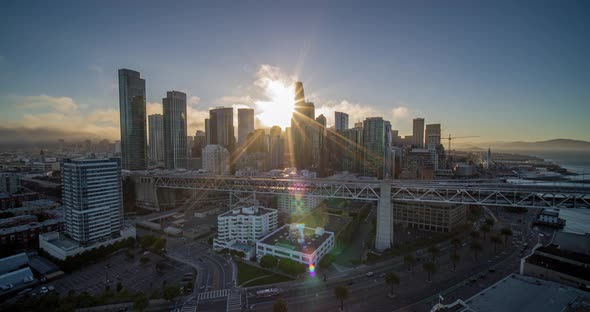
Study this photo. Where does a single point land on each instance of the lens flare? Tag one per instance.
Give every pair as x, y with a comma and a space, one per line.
311, 270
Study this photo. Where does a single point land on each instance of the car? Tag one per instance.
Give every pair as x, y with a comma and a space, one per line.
369, 274
51, 288
382, 275
43, 290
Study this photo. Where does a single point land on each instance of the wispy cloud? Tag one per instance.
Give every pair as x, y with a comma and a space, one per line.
60, 104
95, 68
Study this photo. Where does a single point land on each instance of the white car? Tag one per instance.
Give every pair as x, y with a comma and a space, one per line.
43, 290
369, 274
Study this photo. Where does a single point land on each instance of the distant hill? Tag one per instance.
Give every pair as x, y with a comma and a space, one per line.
555, 145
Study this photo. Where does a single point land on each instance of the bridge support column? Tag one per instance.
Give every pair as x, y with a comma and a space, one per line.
384, 235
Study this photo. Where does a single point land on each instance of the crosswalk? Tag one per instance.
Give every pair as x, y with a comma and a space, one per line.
234, 301
190, 305
214, 294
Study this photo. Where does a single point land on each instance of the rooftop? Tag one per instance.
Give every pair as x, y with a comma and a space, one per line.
13, 262
248, 211
286, 238
524, 294
570, 255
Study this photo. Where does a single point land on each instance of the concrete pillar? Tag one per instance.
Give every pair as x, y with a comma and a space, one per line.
384, 235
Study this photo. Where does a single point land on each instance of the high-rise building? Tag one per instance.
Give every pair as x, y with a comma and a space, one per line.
341, 120
175, 147
92, 199
321, 119
245, 124
432, 136
207, 132
275, 148
9, 182
352, 154
156, 134
216, 159
377, 160
133, 120
418, 132
221, 126
303, 130
198, 144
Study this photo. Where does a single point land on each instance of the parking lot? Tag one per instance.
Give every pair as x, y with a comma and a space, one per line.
132, 274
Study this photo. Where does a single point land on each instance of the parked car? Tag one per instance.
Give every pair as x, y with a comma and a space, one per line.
369, 274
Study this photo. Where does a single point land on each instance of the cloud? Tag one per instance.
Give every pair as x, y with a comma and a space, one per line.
194, 100
61, 104
230, 100
400, 112
356, 111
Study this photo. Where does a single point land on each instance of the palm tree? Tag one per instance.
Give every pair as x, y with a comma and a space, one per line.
409, 260
456, 242
475, 246
506, 232
474, 234
433, 251
485, 229
430, 268
392, 279
455, 258
280, 306
341, 293
496, 240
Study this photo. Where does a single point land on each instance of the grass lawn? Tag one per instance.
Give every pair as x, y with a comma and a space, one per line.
247, 272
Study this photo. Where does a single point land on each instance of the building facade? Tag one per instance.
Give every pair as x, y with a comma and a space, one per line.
429, 216
377, 160
156, 134
216, 159
175, 134
340, 120
92, 199
221, 127
297, 204
133, 120
432, 136
418, 132
245, 124
9, 182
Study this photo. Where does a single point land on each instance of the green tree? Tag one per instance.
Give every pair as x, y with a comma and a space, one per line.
474, 234
409, 260
280, 306
506, 232
170, 293
144, 260
455, 258
429, 268
140, 302
485, 229
495, 240
341, 293
392, 279
456, 242
433, 251
475, 247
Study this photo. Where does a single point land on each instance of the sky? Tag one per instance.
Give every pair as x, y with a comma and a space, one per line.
513, 70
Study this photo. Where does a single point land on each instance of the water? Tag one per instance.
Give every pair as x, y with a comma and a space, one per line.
576, 220
574, 161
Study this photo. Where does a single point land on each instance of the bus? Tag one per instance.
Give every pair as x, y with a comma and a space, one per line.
270, 292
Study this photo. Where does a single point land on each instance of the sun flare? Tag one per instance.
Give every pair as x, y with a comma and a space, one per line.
278, 109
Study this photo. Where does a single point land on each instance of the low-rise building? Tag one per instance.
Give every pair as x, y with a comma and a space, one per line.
550, 217
295, 204
429, 216
9, 182
296, 242
239, 229
559, 265
216, 159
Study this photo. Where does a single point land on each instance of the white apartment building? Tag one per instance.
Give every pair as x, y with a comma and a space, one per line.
92, 199
240, 228
295, 204
216, 159
296, 242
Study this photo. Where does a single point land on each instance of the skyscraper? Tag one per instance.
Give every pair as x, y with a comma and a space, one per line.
341, 120
418, 132
156, 134
221, 126
303, 130
275, 148
207, 132
133, 120
92, 198
377, 147
175, 144
432, 136
245, 123
321, 119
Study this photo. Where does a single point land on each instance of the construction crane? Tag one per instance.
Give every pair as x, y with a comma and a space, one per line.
461, 137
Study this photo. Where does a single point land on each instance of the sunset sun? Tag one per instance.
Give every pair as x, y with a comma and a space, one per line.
278, 108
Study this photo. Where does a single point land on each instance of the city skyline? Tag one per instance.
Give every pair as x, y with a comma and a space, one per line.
534, 72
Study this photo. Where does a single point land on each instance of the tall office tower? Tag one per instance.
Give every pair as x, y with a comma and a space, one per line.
175, 149
275, 148
418, 132
133, 120
9, 182
321, 119
396, 139
156, 127
92, 198
341, 120
245, 123
221, 126
377, 147
302, 129
190, 140
432, 136
216, 159
207, 132
358, 125
198, 144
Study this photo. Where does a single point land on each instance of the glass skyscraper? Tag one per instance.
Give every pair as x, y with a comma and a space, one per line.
133, 120
175, 134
